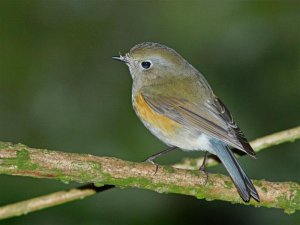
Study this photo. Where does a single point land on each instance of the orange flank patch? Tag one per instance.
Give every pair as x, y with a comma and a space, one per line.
153, 118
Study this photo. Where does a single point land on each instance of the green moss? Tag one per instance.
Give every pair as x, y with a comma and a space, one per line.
24, 161
264, 189
289, 211
4, 144
257, 183
200, 195
290, 205
169, 169
133, 181
96, 166
144, 183
228, 184
23, 154
179, 190
282, 201
99, 184
65, 179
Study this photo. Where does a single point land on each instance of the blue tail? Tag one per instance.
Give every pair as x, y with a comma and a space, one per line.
240, 179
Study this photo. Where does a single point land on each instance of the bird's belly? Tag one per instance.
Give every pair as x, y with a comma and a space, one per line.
169, 131
157, 123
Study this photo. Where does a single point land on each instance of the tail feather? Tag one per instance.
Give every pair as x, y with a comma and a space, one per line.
243, 184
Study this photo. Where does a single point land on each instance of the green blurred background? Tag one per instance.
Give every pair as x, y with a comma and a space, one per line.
59, 89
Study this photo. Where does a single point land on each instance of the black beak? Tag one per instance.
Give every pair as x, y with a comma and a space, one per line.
120, 58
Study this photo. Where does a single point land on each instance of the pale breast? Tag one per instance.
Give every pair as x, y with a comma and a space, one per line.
167, 130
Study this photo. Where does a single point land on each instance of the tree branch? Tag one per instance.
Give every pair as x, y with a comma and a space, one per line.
53, 199
24, 161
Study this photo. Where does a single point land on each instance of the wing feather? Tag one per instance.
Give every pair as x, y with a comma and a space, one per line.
210, 117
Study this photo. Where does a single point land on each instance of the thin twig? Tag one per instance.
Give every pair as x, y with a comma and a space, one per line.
21, 160
46, 201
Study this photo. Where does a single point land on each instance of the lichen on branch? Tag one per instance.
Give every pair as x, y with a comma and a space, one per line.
18, 159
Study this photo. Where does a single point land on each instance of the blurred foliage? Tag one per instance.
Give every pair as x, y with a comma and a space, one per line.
61, 90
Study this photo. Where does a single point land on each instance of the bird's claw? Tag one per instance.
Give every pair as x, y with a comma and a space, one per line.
202, 169
150, 160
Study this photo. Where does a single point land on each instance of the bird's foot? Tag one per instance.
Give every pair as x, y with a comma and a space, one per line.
151, 160
202, 169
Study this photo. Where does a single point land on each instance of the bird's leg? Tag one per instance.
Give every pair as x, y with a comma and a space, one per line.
156, 155
202, 167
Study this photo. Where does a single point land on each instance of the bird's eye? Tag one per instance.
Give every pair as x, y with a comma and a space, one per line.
146, 64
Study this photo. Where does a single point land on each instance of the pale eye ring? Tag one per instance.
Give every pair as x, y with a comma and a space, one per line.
146, 64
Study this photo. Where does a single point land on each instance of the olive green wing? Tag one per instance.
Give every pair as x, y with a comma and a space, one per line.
209, 117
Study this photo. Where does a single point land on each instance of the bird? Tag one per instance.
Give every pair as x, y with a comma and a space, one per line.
177, 104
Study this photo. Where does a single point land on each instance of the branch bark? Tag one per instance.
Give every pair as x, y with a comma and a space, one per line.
24, 161
40, 163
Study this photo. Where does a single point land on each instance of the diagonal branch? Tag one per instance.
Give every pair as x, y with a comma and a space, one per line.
24, 161
61, 197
